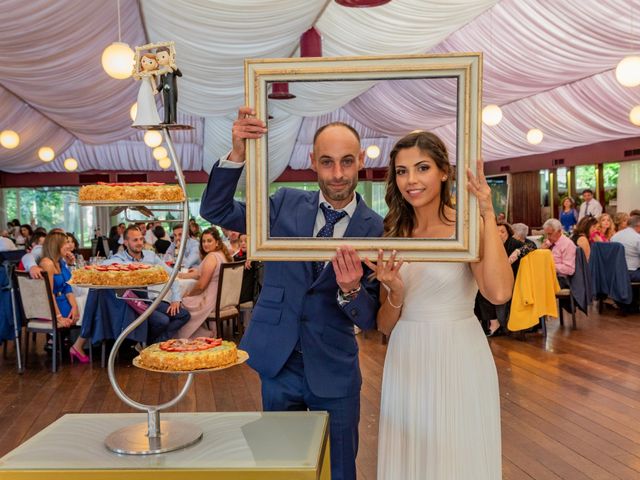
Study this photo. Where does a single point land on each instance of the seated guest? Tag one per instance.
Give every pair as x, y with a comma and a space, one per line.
241, 254
620, 220
161, 245
562, 249
568, 214
37, 239
114, 239
583, 232
520, 231
74, 257
233, 239
149, 236
194, 229
604, 230
201, 300
30, 260
191, 256
25, 234
630, 239
6, 244
494, 317
54, 249
167, 319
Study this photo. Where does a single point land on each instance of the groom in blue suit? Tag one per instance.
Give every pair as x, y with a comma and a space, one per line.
301, 337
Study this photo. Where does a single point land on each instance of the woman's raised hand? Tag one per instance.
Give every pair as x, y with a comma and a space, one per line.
478, 186
387, 273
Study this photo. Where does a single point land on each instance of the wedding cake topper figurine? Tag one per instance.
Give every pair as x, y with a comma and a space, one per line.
155, 66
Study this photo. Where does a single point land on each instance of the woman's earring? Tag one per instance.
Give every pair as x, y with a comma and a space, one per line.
444, 179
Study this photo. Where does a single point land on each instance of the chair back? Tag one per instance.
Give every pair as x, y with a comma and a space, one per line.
609, 274
229, 285
36, 297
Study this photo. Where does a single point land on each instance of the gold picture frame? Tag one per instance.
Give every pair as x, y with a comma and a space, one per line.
138, 73
465, 67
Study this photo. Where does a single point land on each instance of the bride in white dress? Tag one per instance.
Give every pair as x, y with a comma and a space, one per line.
147, 113
440, 408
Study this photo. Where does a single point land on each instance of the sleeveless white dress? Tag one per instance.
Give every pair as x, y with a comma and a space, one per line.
440, 408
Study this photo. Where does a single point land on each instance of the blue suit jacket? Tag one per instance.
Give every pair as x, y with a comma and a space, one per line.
291, 305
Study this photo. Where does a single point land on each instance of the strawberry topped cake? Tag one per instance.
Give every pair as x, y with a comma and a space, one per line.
185, 355
119, 275
134, 191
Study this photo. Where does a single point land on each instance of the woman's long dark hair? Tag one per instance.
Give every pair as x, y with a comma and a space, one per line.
401, 218
213, 231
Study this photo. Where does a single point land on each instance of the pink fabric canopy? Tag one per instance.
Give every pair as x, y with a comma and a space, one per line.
548, 63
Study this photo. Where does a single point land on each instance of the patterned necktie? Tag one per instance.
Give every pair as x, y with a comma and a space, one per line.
331, 217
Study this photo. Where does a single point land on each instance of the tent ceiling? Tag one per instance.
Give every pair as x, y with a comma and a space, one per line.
549, 64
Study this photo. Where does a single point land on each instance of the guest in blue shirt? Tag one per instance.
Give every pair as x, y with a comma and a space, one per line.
568, 214
167, 319
192, 248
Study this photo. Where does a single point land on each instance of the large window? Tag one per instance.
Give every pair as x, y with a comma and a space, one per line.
50, 207
586, 177
611, 171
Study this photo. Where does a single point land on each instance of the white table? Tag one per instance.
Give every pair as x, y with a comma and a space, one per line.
246, 445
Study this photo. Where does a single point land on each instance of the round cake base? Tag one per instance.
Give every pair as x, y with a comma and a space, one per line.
242, 357
133, 440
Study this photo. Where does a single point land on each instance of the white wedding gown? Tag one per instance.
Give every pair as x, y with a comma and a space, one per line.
440, 408
147, 113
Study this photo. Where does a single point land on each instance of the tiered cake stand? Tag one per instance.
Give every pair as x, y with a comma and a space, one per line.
155, 436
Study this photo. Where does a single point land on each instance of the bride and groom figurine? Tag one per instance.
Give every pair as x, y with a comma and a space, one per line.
161, 66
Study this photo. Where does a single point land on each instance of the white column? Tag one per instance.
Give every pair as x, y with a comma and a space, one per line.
629, 186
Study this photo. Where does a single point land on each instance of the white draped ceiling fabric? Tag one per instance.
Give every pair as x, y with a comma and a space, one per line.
548, 63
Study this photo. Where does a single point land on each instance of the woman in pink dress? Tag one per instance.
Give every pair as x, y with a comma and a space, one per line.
201, 300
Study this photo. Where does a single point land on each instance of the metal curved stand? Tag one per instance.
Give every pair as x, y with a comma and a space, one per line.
155, 436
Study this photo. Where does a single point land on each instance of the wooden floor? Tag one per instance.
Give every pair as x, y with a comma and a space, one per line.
570, 404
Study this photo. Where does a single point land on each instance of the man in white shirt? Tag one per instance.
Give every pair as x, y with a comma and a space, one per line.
192, 248
590, 206
630, 239
5, 242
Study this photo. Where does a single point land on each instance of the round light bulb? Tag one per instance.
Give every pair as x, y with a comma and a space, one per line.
152, 138
159, 153
117, 60
9, 139
134, 111
46, 154
373, 151
491, 115
628, 71
164, 162
70, 164
534, 136
634, 115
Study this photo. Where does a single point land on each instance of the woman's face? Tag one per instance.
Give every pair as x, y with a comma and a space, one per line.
605, 222
566, 204
24, 232
148, 64
418, 177
71, 245
624, 223
209, 244
593, 228
502, 231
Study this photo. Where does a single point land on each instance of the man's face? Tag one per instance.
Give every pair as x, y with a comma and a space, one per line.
134, 241
587, 196
163, 58
552, 235
336, 158
177, 235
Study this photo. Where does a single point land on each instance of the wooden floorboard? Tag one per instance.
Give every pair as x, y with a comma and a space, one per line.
570, 402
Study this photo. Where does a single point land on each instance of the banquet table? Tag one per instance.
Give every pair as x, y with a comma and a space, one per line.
238, 445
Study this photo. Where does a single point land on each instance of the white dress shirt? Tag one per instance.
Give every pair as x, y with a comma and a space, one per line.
630, 239
592, 207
